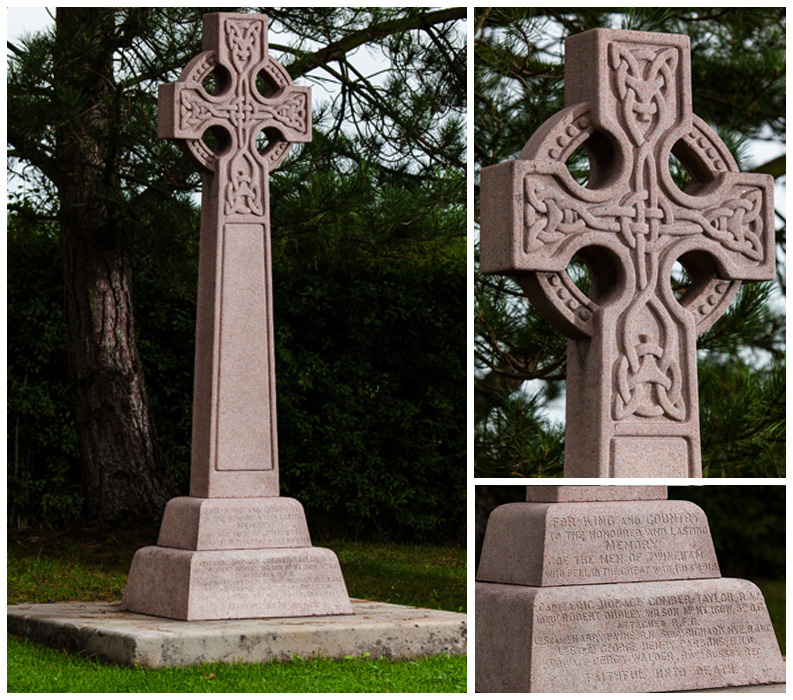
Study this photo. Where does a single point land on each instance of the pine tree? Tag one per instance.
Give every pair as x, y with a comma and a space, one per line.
82, 137
738, 75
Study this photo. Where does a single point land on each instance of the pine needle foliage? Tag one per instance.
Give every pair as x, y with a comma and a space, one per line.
368, 241
738, 81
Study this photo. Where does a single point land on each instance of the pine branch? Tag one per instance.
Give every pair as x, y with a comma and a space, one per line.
339, 49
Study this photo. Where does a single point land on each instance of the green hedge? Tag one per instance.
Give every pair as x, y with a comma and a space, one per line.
747, 524
370, 369
41, 439
371, 401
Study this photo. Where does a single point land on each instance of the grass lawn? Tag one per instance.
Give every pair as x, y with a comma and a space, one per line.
33, 668
91, 564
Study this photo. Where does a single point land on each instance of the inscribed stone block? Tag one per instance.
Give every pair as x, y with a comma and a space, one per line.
233, 523
563, 544
631, 637
218, 585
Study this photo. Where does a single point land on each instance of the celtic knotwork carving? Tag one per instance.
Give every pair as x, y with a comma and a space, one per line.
648, 372
194, 110
652, 388
736, 223
644, 85
631, 359
550, 216
216, 105
292, 112
244, 39
243, 190
236, 105
642, 215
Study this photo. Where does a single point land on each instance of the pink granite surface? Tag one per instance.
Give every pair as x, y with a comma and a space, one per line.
563, 544
233, 523
234, 549
632, 400
630, 637
588, 494
234, 449
233, 584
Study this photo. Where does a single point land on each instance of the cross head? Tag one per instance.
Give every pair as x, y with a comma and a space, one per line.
632, 400
234, 448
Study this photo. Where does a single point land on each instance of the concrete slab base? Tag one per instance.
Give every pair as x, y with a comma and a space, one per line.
104, 630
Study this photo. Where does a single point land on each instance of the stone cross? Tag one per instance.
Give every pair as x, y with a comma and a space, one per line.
234, 548
632, 404
234, 450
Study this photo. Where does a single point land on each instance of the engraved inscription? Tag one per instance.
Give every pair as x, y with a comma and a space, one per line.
286, 577
267, 583
596, 544
250, 525
644, 637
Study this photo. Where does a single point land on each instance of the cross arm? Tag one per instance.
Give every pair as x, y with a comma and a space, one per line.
735, 224
503, 214
551, 214
236, 57
186, 110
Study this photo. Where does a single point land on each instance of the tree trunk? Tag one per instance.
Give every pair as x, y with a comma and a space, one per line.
124, 472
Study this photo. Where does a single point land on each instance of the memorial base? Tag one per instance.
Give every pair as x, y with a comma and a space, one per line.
374, 630
235, 558
604, 589
625, 637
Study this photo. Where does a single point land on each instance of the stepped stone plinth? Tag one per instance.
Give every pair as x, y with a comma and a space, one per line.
613, 595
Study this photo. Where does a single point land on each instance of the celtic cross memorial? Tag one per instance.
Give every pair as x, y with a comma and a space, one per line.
632, 399
234, 548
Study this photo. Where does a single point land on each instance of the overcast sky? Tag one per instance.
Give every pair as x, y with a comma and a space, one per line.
23, 20
26, 19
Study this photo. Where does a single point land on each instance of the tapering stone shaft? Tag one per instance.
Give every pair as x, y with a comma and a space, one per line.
234, 448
